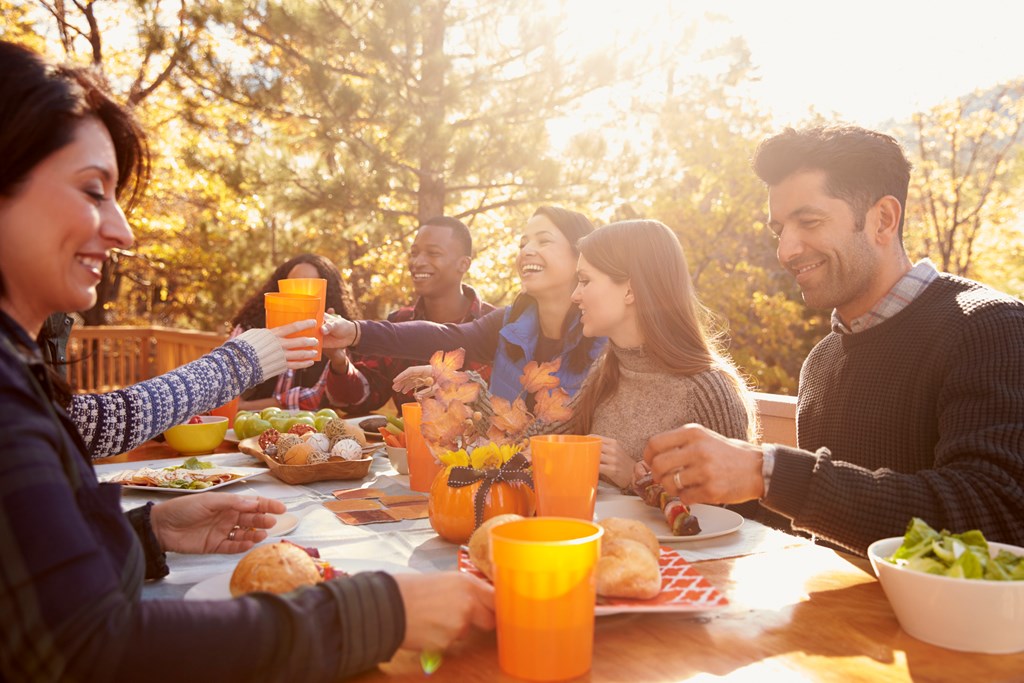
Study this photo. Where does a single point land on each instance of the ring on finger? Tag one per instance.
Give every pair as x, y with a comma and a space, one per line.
676, 481
231, 534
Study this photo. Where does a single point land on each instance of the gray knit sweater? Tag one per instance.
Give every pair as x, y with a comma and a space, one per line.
921, 415
650, 399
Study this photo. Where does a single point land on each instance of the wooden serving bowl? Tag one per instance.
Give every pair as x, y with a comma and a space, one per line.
304, 474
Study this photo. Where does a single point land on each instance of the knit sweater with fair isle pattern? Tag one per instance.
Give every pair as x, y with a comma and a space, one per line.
118, 421
650, 400
921, 415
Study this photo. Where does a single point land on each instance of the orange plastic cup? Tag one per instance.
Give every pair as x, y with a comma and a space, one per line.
310, 286
544, 596
289, 308
565, 471
228, 410
423, 467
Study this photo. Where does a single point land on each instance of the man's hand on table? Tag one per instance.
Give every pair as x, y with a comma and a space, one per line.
213, 522
440, 608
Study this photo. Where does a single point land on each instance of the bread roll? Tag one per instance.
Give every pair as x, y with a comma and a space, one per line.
480, 542
618, 528
627, 570
275, 568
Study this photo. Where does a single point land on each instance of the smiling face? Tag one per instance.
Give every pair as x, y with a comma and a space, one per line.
58, 228
835, 264
546, 261
607, 307
437, 261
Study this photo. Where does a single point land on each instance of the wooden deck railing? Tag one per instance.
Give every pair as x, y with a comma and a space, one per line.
104, 358
112, 357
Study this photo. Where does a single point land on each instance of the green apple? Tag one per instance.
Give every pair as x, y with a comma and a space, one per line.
302, 420
241, 423
281, 422
267, 412
256, 426
321, 421
326, 412
303, 413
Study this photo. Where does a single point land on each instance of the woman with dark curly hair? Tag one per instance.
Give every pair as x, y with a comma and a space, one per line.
302, 389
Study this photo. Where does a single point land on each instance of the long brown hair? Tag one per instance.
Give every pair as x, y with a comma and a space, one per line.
675, 327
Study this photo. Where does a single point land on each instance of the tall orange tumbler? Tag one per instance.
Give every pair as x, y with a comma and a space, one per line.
565, 472
310, 286
544, 595
422, 465
289, 308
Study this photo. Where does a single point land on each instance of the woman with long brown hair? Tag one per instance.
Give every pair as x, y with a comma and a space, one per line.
662, 366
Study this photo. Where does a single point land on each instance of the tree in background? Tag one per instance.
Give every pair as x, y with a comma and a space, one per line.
966, 184
362, 119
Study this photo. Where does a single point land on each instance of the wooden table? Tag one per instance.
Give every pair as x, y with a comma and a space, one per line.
805, 614
157, 450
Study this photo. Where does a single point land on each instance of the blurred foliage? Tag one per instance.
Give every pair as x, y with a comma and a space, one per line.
284, 126
966, 190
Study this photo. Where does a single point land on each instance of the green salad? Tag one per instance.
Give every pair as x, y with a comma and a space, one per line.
961, 556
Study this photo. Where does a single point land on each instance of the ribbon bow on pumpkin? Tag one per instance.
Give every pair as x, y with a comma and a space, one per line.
515, 471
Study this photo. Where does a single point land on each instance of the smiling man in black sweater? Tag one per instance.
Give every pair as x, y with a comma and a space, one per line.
912, 406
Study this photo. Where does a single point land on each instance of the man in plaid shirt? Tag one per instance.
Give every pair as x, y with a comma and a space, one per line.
441, 254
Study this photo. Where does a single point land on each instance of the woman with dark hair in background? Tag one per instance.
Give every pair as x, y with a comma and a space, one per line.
542, 324
295, 389
72, 563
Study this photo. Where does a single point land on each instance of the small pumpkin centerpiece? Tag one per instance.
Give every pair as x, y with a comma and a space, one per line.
479, 439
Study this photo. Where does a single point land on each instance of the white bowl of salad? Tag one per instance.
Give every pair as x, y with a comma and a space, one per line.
954, 590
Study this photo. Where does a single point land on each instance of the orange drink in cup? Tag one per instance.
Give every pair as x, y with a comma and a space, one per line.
422, 465
565, 471
310, 286
544, 596
289, 308
228, 410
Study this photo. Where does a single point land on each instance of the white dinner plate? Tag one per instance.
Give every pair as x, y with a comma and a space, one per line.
714, 521
242, 472
285, 524
218, 587
231, 436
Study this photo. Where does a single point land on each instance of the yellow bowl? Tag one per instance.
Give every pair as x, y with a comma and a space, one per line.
198, 439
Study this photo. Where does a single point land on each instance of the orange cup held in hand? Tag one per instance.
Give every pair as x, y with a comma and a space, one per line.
565, 471
289, 308
422, 465
544, 596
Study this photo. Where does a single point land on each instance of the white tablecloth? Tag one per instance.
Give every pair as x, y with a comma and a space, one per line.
410, 543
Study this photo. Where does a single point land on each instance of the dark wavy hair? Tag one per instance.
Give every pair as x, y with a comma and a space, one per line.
574, 226
41, 106
861, 166
339, 294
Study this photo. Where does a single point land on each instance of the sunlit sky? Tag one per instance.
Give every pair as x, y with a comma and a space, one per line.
867, 61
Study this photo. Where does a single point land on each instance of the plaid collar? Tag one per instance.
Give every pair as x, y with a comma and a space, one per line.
899, 297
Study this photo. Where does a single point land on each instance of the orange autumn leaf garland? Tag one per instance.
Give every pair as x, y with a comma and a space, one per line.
459, 412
